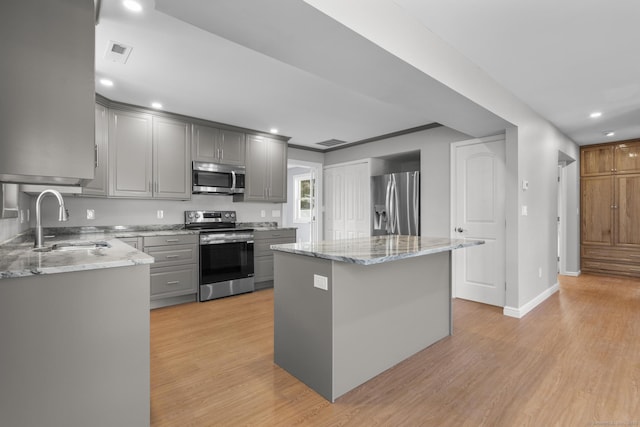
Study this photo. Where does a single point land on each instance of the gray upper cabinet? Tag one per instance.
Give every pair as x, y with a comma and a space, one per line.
171, 159
130, 154
48, 89
266, 175
218, 145
99, 185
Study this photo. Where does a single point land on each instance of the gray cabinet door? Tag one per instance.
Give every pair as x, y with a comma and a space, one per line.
130, 154
277, 179
232, 147
171, 159
98, 186
205, 144
256, 173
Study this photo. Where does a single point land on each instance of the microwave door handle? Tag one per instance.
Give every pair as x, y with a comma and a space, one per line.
233, 182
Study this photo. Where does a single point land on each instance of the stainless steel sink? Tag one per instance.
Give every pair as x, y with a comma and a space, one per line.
74, 246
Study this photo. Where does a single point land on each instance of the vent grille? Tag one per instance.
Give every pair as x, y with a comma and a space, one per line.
331, 142
118, 52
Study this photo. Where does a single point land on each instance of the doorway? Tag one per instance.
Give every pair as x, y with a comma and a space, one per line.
478, 196
304, 200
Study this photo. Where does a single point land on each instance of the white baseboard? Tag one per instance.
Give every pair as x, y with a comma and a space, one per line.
572, 273
522, 311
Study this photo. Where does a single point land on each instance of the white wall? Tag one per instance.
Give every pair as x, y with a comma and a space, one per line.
533, 147
434, 146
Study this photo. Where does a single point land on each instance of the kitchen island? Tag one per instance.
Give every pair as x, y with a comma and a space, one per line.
75, 333
347, 310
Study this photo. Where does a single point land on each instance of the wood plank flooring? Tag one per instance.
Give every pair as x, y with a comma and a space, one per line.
572, 361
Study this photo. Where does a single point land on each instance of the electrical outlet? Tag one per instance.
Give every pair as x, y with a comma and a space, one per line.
91, 214
21, 216
160, 214
320, 282
263, 213
525, 211
275, 213
540, 272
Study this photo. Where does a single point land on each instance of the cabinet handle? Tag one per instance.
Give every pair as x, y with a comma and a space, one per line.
172, 240
95, 156
173, 282
172, 256
221, 153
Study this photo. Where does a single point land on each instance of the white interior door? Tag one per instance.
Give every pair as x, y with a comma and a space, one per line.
478, 212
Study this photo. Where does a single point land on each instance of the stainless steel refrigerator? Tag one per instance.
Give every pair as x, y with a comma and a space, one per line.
396, 204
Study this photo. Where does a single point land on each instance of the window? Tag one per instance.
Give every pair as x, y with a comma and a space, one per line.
302, 187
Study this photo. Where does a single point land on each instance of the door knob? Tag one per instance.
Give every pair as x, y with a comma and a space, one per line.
459, 229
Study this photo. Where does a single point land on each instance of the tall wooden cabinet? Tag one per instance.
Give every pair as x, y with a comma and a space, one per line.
610, 204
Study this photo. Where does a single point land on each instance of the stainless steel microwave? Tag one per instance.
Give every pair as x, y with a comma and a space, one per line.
212, 178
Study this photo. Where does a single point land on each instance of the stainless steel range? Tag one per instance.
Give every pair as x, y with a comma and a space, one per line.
226, 254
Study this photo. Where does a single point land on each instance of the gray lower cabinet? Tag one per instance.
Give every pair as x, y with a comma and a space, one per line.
174, 274
218, 145
266, 174
263, 255
135, 242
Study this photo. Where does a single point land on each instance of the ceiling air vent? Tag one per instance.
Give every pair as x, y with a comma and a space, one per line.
331, 142
118, 52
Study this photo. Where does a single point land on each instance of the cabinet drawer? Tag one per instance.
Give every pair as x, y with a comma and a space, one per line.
610, 267
274, 234
174, 281
610, 253
176, 239
172, 255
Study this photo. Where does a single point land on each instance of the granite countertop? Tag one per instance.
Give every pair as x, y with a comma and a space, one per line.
377, 249
18, 259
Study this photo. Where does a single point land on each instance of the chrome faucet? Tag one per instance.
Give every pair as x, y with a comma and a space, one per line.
63, 214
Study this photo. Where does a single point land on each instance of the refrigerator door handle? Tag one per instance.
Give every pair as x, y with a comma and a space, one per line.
416, 203
387, 207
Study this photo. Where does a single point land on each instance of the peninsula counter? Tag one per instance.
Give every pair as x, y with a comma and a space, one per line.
347, 310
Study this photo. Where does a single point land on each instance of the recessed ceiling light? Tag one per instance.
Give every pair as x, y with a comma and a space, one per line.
156, 105
106, 82
132, 5
273, 130
609, 133
595, 114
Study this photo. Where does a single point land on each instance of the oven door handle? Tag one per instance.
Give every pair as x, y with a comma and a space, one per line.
222, 242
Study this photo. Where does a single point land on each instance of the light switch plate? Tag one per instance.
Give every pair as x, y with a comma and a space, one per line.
275, 213
525, 211
160, 214
320, 282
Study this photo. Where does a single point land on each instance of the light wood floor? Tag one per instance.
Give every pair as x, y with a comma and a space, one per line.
573, 361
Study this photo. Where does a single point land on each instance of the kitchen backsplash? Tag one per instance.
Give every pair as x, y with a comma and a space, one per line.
146, 212
11, 226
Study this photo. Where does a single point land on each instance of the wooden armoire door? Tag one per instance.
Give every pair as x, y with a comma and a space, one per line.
597, 210
627, 210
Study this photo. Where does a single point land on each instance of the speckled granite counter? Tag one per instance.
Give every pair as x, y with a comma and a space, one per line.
377, 249
18, 259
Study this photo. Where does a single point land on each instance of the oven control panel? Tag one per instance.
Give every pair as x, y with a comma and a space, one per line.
204, 217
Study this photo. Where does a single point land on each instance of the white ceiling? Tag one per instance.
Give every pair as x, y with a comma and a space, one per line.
281, 63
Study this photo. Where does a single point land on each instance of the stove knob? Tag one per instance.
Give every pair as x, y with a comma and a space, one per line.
190, 215
198, 215
233, 215
226, 215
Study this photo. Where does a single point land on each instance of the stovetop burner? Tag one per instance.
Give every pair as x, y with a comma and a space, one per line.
212, 221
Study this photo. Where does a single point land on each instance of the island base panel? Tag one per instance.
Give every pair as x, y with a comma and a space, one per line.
370, 318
